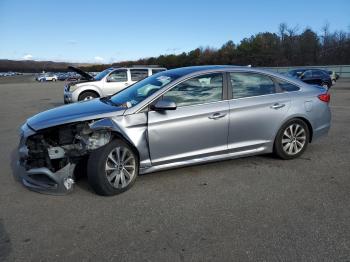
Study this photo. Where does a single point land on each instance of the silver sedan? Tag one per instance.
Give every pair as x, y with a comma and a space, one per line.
174, 118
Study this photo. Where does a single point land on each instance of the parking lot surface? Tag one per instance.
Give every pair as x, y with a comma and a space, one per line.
249, 209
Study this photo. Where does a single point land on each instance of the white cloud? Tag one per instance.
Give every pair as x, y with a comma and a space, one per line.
99, 59
27, 57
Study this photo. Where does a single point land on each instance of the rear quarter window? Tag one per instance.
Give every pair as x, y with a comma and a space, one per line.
287, 87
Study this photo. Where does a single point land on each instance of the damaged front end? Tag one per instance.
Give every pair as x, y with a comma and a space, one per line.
47, 158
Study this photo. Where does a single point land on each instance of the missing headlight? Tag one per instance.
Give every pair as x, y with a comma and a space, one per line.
55, 147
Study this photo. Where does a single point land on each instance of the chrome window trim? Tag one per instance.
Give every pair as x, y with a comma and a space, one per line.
144, 104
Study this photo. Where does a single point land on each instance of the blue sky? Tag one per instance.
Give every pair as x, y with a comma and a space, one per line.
108, 31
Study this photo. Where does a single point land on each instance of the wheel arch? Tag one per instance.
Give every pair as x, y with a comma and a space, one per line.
90, 91
304, 119
309, 126
87, 88
108, 125
119, 135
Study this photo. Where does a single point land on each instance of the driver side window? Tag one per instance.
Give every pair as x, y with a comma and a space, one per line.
118, 76
198, 90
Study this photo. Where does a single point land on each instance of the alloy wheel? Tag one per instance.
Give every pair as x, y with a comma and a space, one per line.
88, 98
293, 139
120, 167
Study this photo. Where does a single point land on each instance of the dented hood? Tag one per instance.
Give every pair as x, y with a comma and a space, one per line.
82, 111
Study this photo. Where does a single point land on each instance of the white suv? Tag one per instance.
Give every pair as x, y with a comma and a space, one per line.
46, 77
108, 82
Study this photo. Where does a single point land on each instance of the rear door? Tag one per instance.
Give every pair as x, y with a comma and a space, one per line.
138, 74
197, 128
257, 109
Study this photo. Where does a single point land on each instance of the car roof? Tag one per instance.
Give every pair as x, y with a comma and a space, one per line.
182, 71
136, 67
305, 69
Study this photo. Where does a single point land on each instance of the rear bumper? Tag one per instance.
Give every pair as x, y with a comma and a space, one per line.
321, 131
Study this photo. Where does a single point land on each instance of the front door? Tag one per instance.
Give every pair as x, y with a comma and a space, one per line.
115, 81
197, 128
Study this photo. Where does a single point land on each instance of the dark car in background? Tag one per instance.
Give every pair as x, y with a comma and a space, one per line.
312, 76
62, 76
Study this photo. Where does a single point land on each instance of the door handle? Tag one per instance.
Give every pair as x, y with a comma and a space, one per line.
277, 106
216, 116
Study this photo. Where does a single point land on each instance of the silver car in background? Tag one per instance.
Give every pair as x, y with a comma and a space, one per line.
174, 118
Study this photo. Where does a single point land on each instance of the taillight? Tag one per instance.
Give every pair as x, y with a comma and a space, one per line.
325, 97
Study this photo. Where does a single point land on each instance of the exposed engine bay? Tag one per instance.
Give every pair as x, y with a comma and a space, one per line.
52, 154
54, 148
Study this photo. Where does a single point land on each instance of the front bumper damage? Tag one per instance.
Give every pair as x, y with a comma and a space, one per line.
47, 159
43, 180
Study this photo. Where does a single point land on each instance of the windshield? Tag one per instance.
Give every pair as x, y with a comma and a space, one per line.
138, 92
102, 74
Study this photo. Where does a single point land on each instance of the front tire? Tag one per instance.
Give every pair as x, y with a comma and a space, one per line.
113, 168
88, 95
292, 139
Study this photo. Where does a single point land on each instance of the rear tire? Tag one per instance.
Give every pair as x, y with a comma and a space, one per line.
292, 139
87, 95
113, 168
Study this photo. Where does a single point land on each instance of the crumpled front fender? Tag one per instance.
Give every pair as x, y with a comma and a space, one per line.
132, 128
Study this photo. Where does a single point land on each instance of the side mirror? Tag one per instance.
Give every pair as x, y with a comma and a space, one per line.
164, 104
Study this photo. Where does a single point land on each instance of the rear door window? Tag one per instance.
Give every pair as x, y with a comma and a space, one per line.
251, 84
138, 74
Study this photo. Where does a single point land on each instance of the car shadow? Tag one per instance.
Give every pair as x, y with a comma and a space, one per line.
80, 171
5, 243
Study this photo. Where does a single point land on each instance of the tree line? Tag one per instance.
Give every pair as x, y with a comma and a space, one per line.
290, 46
